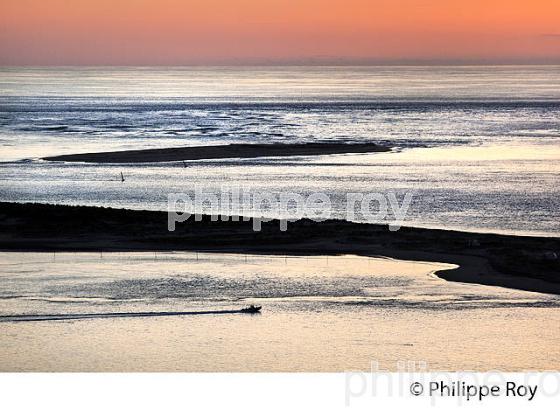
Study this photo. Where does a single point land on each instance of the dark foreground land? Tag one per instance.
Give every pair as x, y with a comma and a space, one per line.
220, 151
519, 262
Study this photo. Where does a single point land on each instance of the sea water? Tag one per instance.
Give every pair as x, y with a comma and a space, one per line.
478, 147
319, 313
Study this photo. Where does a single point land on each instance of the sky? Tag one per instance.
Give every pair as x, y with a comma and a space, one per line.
248, 32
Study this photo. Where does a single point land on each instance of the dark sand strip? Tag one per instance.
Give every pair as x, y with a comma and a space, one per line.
518, 262
220, 151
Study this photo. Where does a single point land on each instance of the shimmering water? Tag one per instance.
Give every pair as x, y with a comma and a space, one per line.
319, 314
478, 146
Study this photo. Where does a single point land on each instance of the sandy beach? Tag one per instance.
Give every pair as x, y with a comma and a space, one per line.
516, 262
220, 151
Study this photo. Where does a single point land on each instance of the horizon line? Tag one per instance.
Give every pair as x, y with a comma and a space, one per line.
301, 64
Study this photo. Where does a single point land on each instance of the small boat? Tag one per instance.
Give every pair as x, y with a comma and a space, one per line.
251, 309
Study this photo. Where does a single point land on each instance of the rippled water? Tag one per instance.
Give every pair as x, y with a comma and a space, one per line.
478, 146
319, 314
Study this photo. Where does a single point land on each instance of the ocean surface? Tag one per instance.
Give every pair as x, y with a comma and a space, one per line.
319, 314
478, 147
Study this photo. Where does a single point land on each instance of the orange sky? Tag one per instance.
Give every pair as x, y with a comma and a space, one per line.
171, 32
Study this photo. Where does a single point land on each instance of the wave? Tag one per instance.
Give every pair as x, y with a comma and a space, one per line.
15, 104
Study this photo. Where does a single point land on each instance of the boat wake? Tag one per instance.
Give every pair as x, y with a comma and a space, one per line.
80, 316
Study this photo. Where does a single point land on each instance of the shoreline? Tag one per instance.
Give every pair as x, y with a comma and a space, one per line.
516, 262
220, 152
